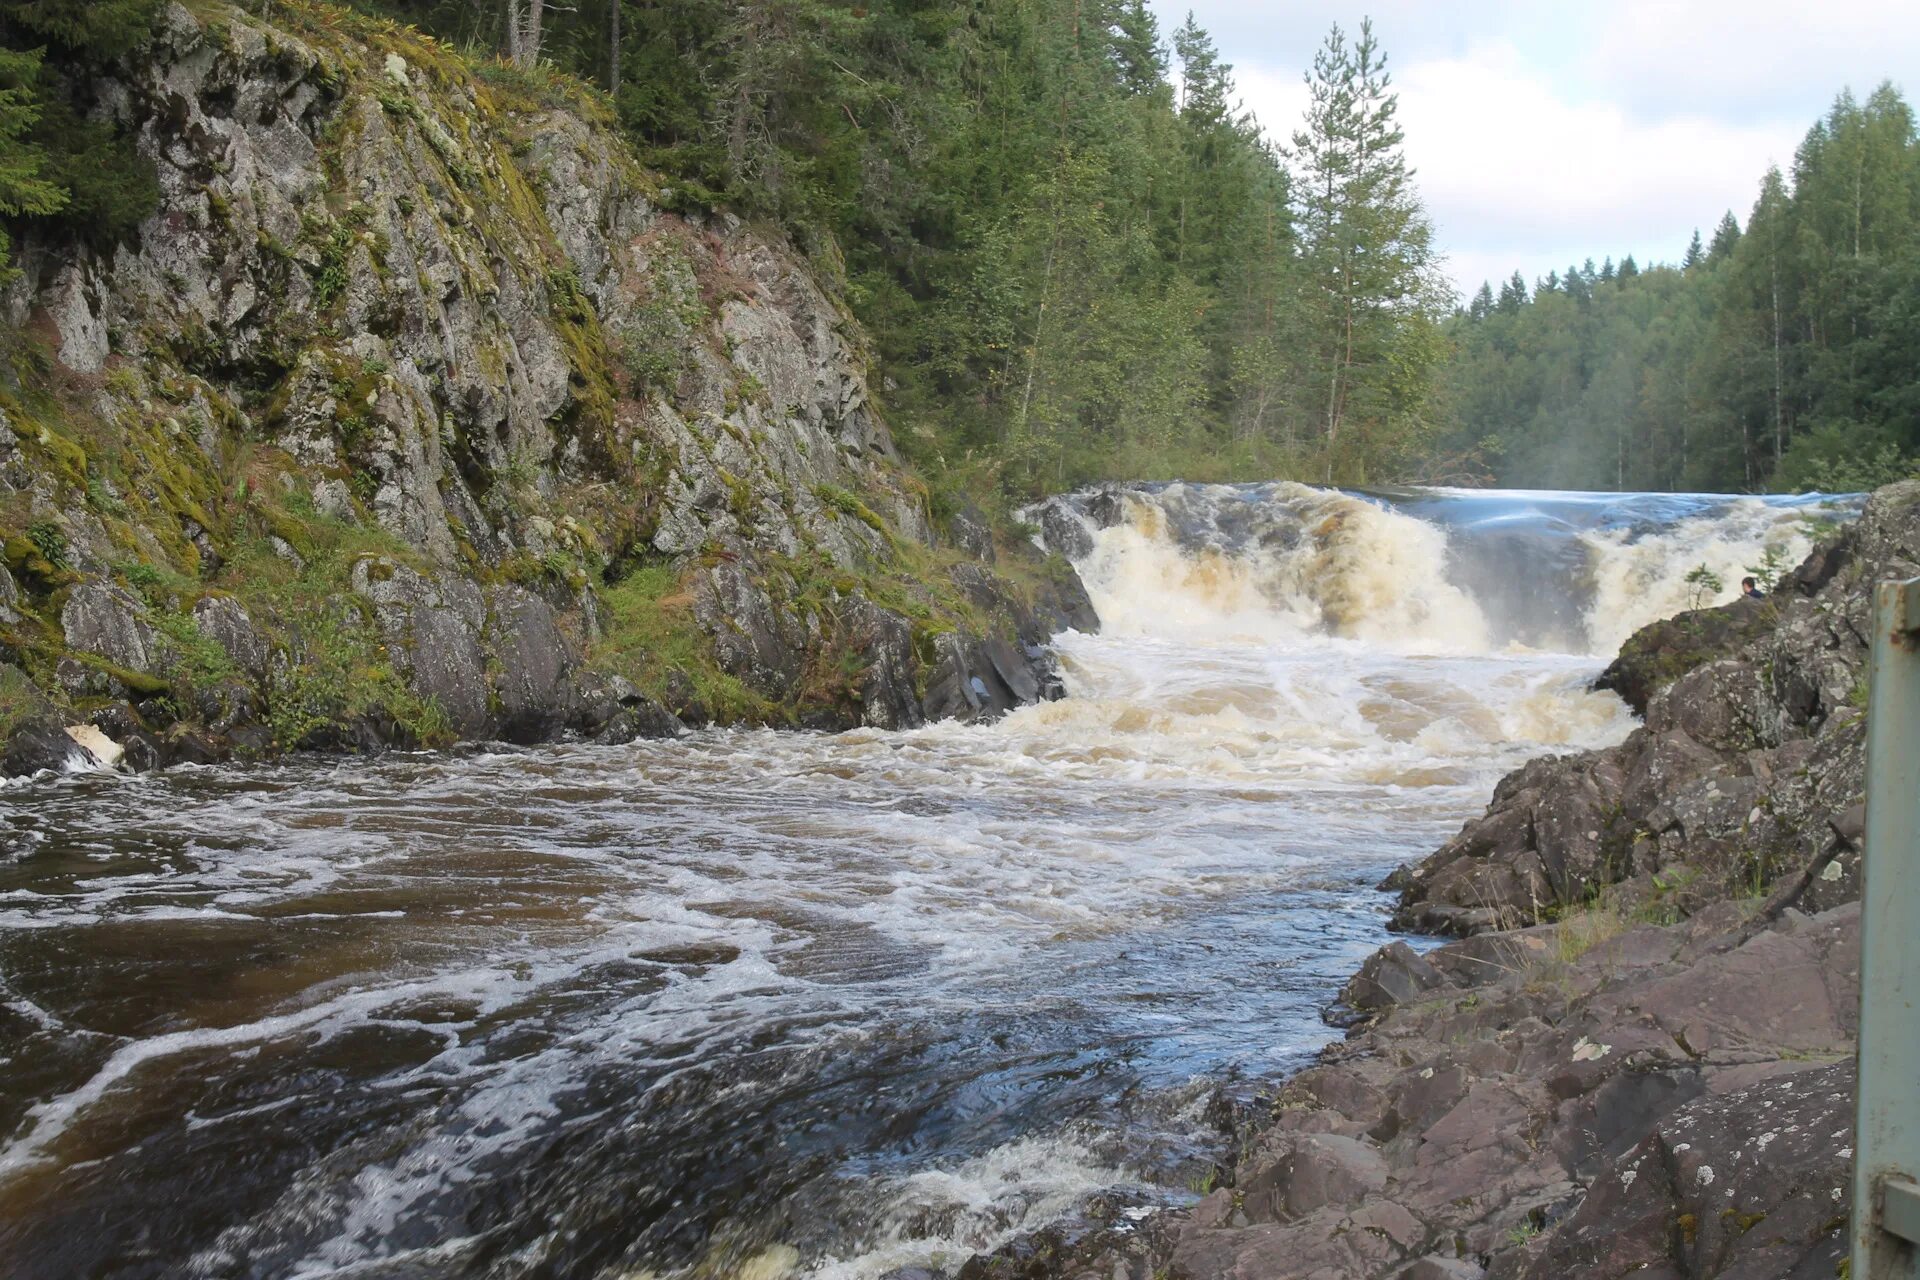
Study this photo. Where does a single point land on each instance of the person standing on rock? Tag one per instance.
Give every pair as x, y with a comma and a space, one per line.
1751, 589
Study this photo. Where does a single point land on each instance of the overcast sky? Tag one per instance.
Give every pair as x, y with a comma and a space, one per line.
1546, 132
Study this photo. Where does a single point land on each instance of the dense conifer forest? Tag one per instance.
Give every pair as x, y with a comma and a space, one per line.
1078, 257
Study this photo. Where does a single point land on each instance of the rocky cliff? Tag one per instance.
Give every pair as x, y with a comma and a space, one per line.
420, 411
1639, 1062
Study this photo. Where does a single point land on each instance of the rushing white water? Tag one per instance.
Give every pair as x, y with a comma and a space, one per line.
1422, 571
759, 1004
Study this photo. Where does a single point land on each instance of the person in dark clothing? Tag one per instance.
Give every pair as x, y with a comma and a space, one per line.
1751, 589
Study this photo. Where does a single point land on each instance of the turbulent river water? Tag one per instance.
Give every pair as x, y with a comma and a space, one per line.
756, 1004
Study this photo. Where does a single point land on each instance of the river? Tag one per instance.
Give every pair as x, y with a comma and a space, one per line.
755, 1004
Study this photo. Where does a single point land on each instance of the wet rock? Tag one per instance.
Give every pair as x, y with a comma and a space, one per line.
885, 641
1392, 975
751, 638
1658, 654
432, 630
251, 742
104, 619
42, 744
1062, 530
34, 737
191, 744
1014, 669
533, 663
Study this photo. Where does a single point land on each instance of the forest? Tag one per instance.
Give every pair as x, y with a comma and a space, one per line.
1077, 256
1781, 354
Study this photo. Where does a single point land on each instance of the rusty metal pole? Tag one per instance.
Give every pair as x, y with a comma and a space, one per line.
1886, 1162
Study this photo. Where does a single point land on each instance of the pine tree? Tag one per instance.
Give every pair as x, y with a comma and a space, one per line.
1513, 294
1725, 237
97, 27
1695, 254
1367, 250
1482, 305
1628, 268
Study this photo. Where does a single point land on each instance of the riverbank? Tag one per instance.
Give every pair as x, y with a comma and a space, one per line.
1639, 1063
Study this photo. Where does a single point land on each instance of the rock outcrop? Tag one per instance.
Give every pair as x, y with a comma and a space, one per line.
420, 410
1670, 1101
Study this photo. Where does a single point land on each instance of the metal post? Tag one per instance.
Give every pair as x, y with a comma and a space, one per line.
1886, 1162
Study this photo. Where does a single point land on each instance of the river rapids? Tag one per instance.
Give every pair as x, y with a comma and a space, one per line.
759, 1004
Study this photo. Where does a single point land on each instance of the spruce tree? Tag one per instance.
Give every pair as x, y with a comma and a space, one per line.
1695, 254
1725, 237
24, 188
1513, 294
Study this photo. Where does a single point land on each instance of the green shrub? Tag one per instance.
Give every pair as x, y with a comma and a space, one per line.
49, 542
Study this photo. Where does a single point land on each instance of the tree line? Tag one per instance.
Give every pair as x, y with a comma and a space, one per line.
1079, 257
1780, 354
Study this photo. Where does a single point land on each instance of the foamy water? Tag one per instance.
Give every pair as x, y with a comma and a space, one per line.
758, 1004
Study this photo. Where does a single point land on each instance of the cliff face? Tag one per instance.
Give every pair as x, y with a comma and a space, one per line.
416, 413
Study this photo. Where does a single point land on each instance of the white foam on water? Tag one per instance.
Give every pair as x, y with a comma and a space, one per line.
939, 1217
1641, 579
1283, 698
1351, 569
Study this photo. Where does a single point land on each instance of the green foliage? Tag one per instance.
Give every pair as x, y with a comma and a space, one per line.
1703, 585
18, 698
25, 187
110, 189
1780, 357
847, 504
196, 657
102, 28
1773, 563
49, 541
333, 274
648, 634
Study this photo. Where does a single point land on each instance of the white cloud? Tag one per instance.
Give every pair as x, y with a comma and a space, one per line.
1748, 58
1516, 174
1547, 133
